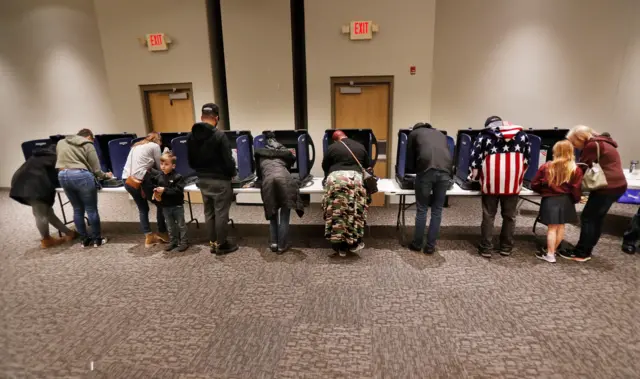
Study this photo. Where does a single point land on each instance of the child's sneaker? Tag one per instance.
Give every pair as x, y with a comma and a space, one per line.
551, 258
86, 242
99, 241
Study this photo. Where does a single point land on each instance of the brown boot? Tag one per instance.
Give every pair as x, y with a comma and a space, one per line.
163, 237
50, 242
150, 239
71, 236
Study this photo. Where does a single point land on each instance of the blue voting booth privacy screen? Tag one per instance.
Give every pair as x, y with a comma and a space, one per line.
118, 152
179, 149
299, 142
101, 143
242, 149
363, 136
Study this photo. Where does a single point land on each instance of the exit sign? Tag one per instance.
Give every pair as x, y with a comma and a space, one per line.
157, 42
361, 30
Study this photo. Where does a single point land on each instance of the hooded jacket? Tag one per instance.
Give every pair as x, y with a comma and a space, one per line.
36, 179
501, 153
609, 161
427, 149
573, 188
277, 187
209, 152
78, 152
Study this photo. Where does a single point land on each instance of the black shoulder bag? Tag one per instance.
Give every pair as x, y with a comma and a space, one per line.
370, 182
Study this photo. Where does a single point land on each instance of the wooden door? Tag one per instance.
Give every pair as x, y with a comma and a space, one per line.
169, 115
366, 107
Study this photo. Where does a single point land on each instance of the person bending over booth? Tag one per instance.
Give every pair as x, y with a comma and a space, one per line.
603, 150
209, 154
429, 157
34, 184
144, 156
345, 202
79, 170
279, 190
632, 235
500, 158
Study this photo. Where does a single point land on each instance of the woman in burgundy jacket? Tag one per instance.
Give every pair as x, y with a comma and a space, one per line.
600, 201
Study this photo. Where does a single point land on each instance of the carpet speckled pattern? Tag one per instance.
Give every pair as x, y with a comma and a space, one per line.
383, 313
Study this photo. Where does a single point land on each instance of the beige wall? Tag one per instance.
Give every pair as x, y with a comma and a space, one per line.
405, 38
52, 75
542, 64
257, 50
129, 64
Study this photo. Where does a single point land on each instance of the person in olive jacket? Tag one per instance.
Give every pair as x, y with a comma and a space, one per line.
34, 184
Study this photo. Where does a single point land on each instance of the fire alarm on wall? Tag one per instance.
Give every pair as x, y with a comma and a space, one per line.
412, 70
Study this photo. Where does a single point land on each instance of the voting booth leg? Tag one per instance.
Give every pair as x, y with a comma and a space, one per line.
192, 219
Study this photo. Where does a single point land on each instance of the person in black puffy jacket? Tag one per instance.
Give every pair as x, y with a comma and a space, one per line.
34, 184
280, 191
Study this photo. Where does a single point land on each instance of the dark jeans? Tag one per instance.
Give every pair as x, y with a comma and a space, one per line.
430, 183
632, 234
143, 210
591, 221
80, 188
217, 196
508, 207
279, 227
176, 224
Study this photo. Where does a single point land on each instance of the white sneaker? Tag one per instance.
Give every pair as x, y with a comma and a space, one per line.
551, 258
357, 248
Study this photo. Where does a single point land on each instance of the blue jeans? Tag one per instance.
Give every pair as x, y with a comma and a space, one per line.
177, 226
591, 221
143, 210
430, 183
80, 188
280, 229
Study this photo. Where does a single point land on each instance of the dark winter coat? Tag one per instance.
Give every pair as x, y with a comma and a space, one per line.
173, 184
427, 149
37, 178
278, 188
209, 152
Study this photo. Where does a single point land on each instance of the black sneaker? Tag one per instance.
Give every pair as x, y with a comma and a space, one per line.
629, 249
413, 247
99, 241
572, 255
86, 242
183, 248
429, 250
506, 251
283, 249
274, 247
171, 246
226, 248
484, 253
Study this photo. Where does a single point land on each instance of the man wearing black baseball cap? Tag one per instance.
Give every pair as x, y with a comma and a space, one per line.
209, 154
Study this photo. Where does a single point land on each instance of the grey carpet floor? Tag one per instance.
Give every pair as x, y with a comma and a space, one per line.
383, 313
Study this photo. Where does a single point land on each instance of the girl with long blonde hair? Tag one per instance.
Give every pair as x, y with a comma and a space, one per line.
559, 183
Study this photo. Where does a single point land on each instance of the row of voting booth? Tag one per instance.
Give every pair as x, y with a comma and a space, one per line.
113, 150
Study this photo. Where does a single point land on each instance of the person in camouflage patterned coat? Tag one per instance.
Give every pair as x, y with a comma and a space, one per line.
345, 202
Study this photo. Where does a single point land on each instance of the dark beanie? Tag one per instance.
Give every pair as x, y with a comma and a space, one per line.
491, 119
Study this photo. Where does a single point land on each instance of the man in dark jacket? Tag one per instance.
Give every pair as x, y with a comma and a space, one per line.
209, 154
280, 191
429, 158
34, 184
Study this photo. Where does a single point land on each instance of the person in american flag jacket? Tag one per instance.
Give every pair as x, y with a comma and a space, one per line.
499, 159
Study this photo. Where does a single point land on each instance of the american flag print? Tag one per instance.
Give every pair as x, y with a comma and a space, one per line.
502, 156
